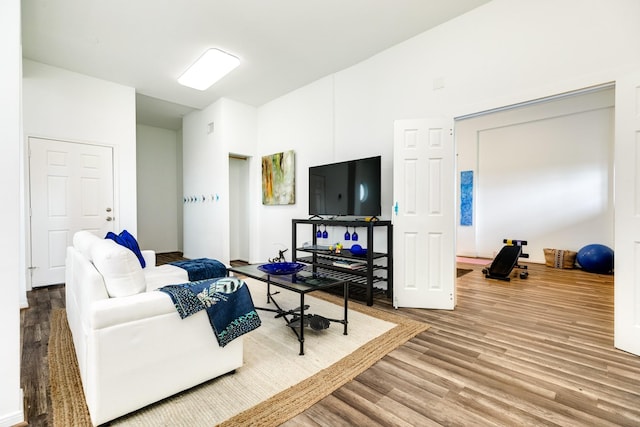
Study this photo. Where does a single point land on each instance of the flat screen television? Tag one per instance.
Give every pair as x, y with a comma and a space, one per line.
350, 188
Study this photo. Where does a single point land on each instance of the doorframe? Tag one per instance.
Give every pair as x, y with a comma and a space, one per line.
28, 260
517, 105
247, 190
534, 101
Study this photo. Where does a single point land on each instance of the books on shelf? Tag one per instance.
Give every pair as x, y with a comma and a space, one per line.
347, 263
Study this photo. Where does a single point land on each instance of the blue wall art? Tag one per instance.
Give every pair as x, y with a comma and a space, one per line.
466, 198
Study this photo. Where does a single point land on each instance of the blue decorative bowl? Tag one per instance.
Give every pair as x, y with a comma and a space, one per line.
358, 250
281, 268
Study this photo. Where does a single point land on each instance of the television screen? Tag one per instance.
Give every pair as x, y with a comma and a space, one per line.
346, 188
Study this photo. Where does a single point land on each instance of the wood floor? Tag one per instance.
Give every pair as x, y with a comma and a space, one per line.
527, 352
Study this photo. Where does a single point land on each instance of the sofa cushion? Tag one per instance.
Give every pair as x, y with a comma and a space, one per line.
163, 275
83, 240
119, 268
128, 241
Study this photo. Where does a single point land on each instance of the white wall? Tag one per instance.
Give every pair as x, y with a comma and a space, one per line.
67, 106
502, 53
159, 197
11, 243
542, 173
206, 174
204, 177
301, 121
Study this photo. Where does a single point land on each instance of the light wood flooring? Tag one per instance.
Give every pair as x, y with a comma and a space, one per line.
526, 352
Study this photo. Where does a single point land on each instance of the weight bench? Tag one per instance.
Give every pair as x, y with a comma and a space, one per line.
506, 260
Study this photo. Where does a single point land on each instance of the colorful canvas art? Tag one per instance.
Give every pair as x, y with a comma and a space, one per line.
466, 198
278, 179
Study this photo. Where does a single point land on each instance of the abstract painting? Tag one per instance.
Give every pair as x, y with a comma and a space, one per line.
278, 179
466, 198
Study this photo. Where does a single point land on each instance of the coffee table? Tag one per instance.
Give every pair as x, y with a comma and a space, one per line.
302, 283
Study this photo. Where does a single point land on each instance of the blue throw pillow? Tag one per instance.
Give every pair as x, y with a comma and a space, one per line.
111, 235
128, 241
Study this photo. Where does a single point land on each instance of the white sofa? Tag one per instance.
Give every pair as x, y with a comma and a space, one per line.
133, 348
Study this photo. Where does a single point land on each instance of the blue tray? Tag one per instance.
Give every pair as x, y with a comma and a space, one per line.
281, 268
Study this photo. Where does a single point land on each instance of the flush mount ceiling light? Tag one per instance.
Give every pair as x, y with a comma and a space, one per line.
213, 65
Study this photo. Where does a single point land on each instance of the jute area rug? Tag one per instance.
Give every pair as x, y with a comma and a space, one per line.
274, 384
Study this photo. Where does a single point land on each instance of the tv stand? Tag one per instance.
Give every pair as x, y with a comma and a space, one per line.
370, 269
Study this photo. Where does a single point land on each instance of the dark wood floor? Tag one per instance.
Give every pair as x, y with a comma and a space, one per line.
526, 352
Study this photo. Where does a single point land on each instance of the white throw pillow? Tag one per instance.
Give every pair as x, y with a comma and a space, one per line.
119, 268
83, 240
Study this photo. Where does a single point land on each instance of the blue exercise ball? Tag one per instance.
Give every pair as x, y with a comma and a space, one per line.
596, 258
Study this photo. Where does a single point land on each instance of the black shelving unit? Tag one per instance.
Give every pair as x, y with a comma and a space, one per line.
378, 266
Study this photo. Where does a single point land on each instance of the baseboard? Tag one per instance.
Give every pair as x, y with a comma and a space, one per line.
15, 419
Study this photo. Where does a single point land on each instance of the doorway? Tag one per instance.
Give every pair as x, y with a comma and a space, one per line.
239, 210
542, 172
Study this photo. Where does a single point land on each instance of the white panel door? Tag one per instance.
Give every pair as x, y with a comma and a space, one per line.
627, 215
71, 190
424, 214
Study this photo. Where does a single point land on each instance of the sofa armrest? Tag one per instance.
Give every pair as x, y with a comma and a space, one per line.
149, 257
116, 311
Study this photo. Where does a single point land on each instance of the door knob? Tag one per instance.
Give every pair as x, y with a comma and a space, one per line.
108, 209
109, 218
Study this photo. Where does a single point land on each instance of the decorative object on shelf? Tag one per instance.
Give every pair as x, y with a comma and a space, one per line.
347, 236
280, 257
280, 268
354, 235
358, 250
325, 234
337, 248
278, 179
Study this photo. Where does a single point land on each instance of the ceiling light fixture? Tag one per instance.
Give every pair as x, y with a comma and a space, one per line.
213, 65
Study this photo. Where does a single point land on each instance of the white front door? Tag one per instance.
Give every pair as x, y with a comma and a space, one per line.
627, 215
424, 214
71, 190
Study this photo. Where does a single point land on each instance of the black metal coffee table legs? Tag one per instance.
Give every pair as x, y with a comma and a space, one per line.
297, 319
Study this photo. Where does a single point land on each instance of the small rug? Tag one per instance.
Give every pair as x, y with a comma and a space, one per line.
478, 261
270, 358
462, 271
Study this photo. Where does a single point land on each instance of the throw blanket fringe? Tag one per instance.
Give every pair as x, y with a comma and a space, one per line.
226, 300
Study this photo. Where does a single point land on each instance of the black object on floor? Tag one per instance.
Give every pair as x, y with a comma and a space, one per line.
507, 260
316, 322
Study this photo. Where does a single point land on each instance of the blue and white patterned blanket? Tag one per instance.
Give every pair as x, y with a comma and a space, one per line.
227, 301
202, 268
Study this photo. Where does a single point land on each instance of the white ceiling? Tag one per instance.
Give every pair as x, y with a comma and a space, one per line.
283, 44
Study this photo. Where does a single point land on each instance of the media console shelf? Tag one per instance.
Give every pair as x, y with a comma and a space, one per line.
376, 267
